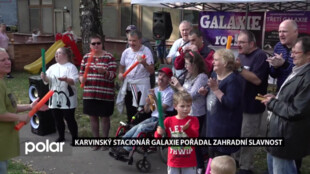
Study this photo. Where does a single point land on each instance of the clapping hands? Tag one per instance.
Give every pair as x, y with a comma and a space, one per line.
213, 84
276, 61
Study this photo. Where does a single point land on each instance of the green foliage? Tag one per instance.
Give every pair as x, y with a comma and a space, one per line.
117, 56
156, 66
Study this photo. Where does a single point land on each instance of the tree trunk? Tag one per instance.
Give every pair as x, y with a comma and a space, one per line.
90, 21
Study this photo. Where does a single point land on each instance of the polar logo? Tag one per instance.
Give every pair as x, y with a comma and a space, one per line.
43, 147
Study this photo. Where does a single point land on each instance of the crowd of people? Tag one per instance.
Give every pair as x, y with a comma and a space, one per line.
208, 93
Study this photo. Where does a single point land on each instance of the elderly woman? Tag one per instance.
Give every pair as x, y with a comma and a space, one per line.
195, 78
62, 77
224, 102
98, 95
9, 141
4, 42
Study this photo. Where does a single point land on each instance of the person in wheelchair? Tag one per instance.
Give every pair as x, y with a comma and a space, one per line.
149, 125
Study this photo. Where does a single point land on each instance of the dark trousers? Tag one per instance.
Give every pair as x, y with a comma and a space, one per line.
215, 153
298, 163
152, 80
131, 110
199, 154
67, 114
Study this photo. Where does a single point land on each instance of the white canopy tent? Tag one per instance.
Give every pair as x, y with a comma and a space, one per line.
227, 5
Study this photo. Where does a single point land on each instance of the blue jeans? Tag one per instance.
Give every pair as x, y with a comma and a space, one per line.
280, 166
4, 167
147, 125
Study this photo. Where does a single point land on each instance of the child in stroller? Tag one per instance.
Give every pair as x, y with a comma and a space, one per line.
149, 125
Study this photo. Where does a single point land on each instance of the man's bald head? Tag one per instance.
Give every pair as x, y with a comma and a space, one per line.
288, 32
185, 27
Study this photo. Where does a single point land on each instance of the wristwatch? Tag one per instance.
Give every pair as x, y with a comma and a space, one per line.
240, 69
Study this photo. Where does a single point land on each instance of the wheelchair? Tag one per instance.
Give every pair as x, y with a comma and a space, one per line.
143, 165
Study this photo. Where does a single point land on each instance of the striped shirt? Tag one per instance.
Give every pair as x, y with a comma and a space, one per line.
99, 86
282, 72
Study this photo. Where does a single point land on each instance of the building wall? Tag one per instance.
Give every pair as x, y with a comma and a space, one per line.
109, 21
76, 17
116, 16
147, 21
66, 7
23, 16
8, 12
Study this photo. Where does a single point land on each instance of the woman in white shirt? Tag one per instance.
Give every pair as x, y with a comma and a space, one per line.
62, 77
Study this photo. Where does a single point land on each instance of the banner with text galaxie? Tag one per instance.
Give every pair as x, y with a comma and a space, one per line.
217, 26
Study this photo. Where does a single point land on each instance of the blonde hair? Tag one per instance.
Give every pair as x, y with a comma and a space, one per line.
228, 57
223, 165
181, 96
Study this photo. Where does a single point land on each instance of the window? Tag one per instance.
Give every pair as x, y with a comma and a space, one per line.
34, 20
125, 18
109, 18
116, 17
41, 15
47, 2
34, 2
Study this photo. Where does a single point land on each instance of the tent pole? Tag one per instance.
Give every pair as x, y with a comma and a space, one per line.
246, 15
131, 14
182, 14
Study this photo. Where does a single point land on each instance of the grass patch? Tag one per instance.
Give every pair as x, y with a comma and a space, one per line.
84, 122
17, 167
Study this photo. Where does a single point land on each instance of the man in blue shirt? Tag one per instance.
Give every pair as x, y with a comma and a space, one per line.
255, 71
282, 62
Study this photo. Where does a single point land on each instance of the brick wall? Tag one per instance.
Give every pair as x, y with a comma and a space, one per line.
23, 54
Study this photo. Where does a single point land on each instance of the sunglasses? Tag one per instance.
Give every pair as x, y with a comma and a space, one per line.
96, 43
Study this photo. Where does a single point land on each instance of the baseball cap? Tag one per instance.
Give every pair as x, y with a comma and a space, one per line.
130, 28
167, 71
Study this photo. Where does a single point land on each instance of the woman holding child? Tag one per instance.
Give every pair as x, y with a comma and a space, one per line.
224, 102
